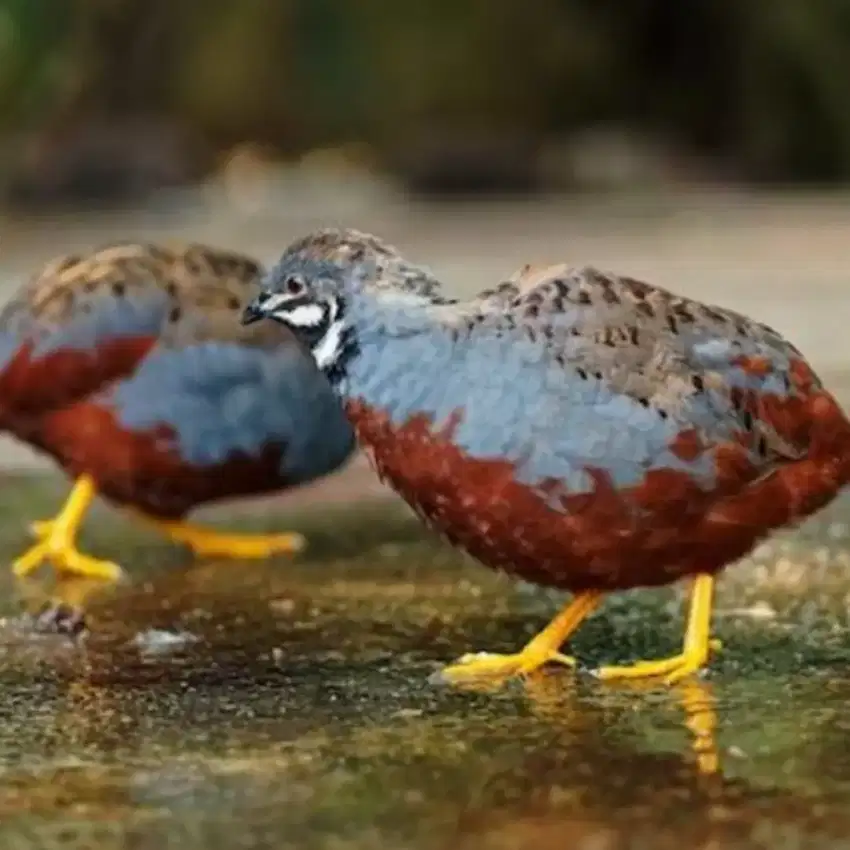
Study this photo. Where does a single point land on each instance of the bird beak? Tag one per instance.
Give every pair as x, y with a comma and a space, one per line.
254, 311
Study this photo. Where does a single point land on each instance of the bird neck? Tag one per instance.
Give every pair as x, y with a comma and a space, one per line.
378, 335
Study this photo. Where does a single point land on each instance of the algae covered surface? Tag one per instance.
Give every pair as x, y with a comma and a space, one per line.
288, 704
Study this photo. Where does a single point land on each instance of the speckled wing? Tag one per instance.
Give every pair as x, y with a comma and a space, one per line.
702, 367
584, 380
84, 321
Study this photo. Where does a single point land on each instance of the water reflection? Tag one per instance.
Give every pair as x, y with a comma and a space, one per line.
552, 761
553, 700
615, 771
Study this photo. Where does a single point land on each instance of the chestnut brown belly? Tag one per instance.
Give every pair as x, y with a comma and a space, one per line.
143, 469
576, 553
664, 528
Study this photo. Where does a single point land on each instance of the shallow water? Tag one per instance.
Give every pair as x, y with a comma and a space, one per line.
288, 704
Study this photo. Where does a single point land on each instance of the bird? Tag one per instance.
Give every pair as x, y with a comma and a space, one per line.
128, 366
575, 428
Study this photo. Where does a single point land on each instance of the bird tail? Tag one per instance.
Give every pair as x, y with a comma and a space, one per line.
794, 490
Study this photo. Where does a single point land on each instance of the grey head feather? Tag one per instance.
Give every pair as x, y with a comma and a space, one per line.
381, 266
319, 276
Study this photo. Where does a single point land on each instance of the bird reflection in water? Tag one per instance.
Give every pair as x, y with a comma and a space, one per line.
550, 697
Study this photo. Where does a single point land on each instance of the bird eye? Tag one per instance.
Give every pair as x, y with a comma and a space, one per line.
293, 286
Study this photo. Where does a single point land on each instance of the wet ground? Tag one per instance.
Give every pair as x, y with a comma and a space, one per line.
288, 704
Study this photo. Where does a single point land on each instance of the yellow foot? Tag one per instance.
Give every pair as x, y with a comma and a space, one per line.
245, 546
207, 543
65, 558
479, 667
672, 669
697, 648
56, 541
482, 666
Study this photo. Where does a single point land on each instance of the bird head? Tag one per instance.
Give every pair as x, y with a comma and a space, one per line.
321, 275
308, 296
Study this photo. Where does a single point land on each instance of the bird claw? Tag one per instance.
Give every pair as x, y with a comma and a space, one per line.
210, 543
65, 558
674, 669
41, 528
246, 546
475, 667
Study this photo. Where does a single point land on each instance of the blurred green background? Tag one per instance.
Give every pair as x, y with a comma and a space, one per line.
106, 97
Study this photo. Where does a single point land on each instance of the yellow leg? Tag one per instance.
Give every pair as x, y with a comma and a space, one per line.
57, 540
543, 648
208, 543
697, 646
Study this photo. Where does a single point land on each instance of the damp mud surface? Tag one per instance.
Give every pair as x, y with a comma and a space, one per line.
288, 704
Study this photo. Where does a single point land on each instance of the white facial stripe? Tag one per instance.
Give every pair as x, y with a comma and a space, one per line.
328, 350
306, 316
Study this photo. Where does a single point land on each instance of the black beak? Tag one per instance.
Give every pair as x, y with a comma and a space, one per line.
254, 311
